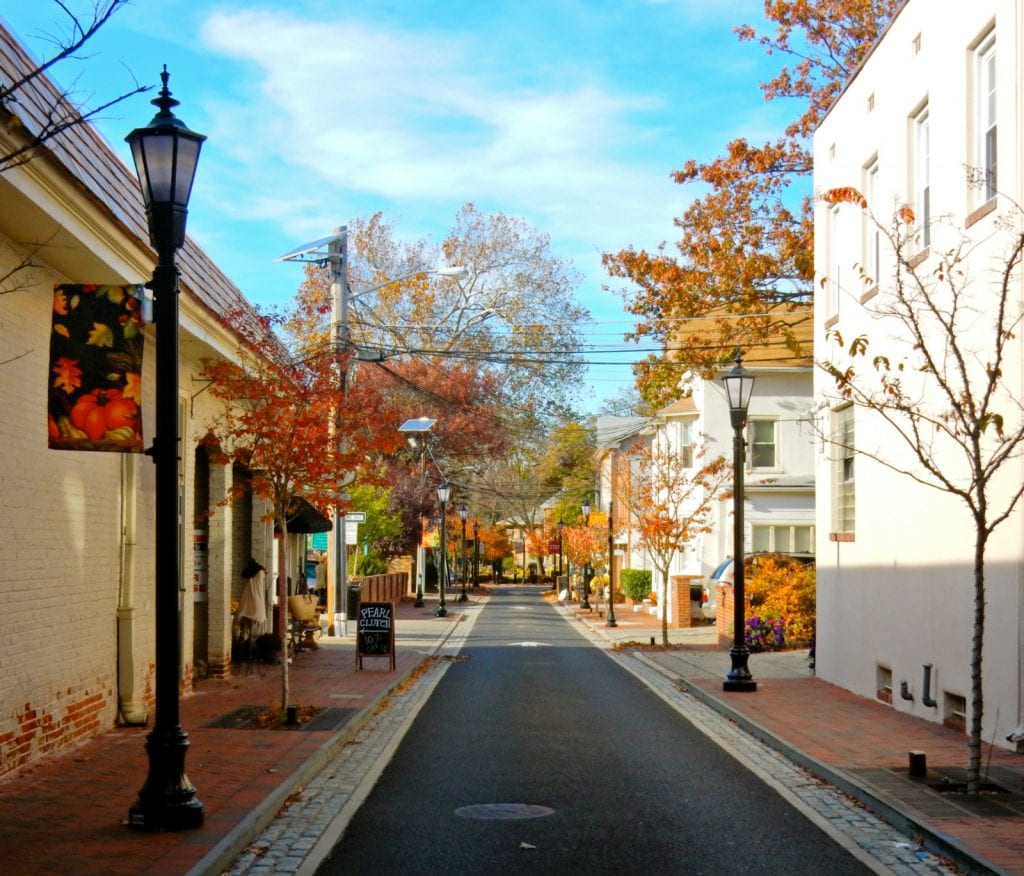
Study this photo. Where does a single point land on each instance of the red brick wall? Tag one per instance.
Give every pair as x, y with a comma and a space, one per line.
724, 611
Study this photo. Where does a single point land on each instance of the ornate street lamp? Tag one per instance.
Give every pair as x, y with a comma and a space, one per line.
443, 492
610, 622
586, 584
463, 514
739, 386
166, 153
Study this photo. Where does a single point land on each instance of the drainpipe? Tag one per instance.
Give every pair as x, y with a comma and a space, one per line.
926, 698
130, 710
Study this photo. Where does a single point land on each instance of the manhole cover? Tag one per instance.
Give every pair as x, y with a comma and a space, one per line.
503, 811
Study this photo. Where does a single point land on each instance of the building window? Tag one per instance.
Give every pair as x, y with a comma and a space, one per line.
763, 451
783, 538
685, 436
872, 233
843, 496
985, 100
922, 175
832, 264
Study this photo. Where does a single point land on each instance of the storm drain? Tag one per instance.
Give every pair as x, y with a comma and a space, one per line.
503, 811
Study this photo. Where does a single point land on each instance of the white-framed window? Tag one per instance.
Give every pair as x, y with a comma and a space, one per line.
844, 504
832, 263
763, 437
684, 437
872, 233
786, 538
986, 114
921, 174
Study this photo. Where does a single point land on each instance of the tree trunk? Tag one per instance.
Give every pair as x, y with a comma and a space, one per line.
664, 606
282, 606
977, 641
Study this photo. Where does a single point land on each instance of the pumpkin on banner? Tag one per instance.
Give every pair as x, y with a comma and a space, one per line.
94, 397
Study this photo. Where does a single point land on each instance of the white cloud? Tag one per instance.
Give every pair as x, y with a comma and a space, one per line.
415, 117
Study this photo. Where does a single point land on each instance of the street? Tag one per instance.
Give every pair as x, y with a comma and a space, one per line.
572, 763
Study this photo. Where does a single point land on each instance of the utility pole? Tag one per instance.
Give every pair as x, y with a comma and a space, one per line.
337, 259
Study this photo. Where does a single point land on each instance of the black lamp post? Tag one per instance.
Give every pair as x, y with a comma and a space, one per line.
610, 622
166, 154
443, 491
739, 385
585, 507
476, 554
463, 514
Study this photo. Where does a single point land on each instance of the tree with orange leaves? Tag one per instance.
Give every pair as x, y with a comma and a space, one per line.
669, 498
585, 545
281, 419
745, 256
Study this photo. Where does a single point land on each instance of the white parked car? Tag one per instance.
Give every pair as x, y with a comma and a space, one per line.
722, 575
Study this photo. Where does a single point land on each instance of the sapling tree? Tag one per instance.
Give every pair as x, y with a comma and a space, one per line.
937, 371
670, 497
298, 428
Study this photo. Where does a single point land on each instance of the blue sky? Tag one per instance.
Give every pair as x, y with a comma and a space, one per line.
568, 113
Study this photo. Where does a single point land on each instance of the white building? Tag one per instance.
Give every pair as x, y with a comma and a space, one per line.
77, 570
939, 96
779, 511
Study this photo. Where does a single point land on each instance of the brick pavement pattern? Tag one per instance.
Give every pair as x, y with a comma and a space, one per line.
68, 815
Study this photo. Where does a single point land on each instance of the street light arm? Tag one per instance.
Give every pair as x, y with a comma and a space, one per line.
456, 272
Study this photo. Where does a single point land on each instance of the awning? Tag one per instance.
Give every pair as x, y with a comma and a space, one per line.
304, 518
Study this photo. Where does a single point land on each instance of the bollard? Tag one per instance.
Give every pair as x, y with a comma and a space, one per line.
918, 763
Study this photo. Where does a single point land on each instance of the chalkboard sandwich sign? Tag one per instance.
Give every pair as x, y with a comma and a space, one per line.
375, 631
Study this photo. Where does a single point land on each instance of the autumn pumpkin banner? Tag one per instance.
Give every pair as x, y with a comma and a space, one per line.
95, 383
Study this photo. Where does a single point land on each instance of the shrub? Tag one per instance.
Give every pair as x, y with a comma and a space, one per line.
636, 583
783, 588
764, 634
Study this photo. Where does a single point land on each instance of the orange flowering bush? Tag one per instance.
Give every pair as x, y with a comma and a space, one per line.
783, 588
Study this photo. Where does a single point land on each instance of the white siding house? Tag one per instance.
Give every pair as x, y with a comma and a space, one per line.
932, 120
77, 571
780, 495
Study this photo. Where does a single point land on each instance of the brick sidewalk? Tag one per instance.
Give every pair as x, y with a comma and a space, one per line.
68, 815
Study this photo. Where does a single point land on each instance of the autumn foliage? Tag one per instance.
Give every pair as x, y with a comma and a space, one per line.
669, 496
783, 588
744, 259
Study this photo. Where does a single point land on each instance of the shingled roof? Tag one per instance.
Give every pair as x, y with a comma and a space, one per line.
102, 176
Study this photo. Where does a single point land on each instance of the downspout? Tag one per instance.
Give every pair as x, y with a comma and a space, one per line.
130, 710
1017, 736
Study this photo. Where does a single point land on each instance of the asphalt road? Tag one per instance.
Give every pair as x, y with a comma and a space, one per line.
537, 722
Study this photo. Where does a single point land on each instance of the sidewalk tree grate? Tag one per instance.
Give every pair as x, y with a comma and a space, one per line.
503, 811
270, 718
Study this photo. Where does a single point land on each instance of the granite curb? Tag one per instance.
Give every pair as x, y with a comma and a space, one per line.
227, 851
882, 805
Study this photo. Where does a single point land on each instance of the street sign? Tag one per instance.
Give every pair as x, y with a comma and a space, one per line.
355, 517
